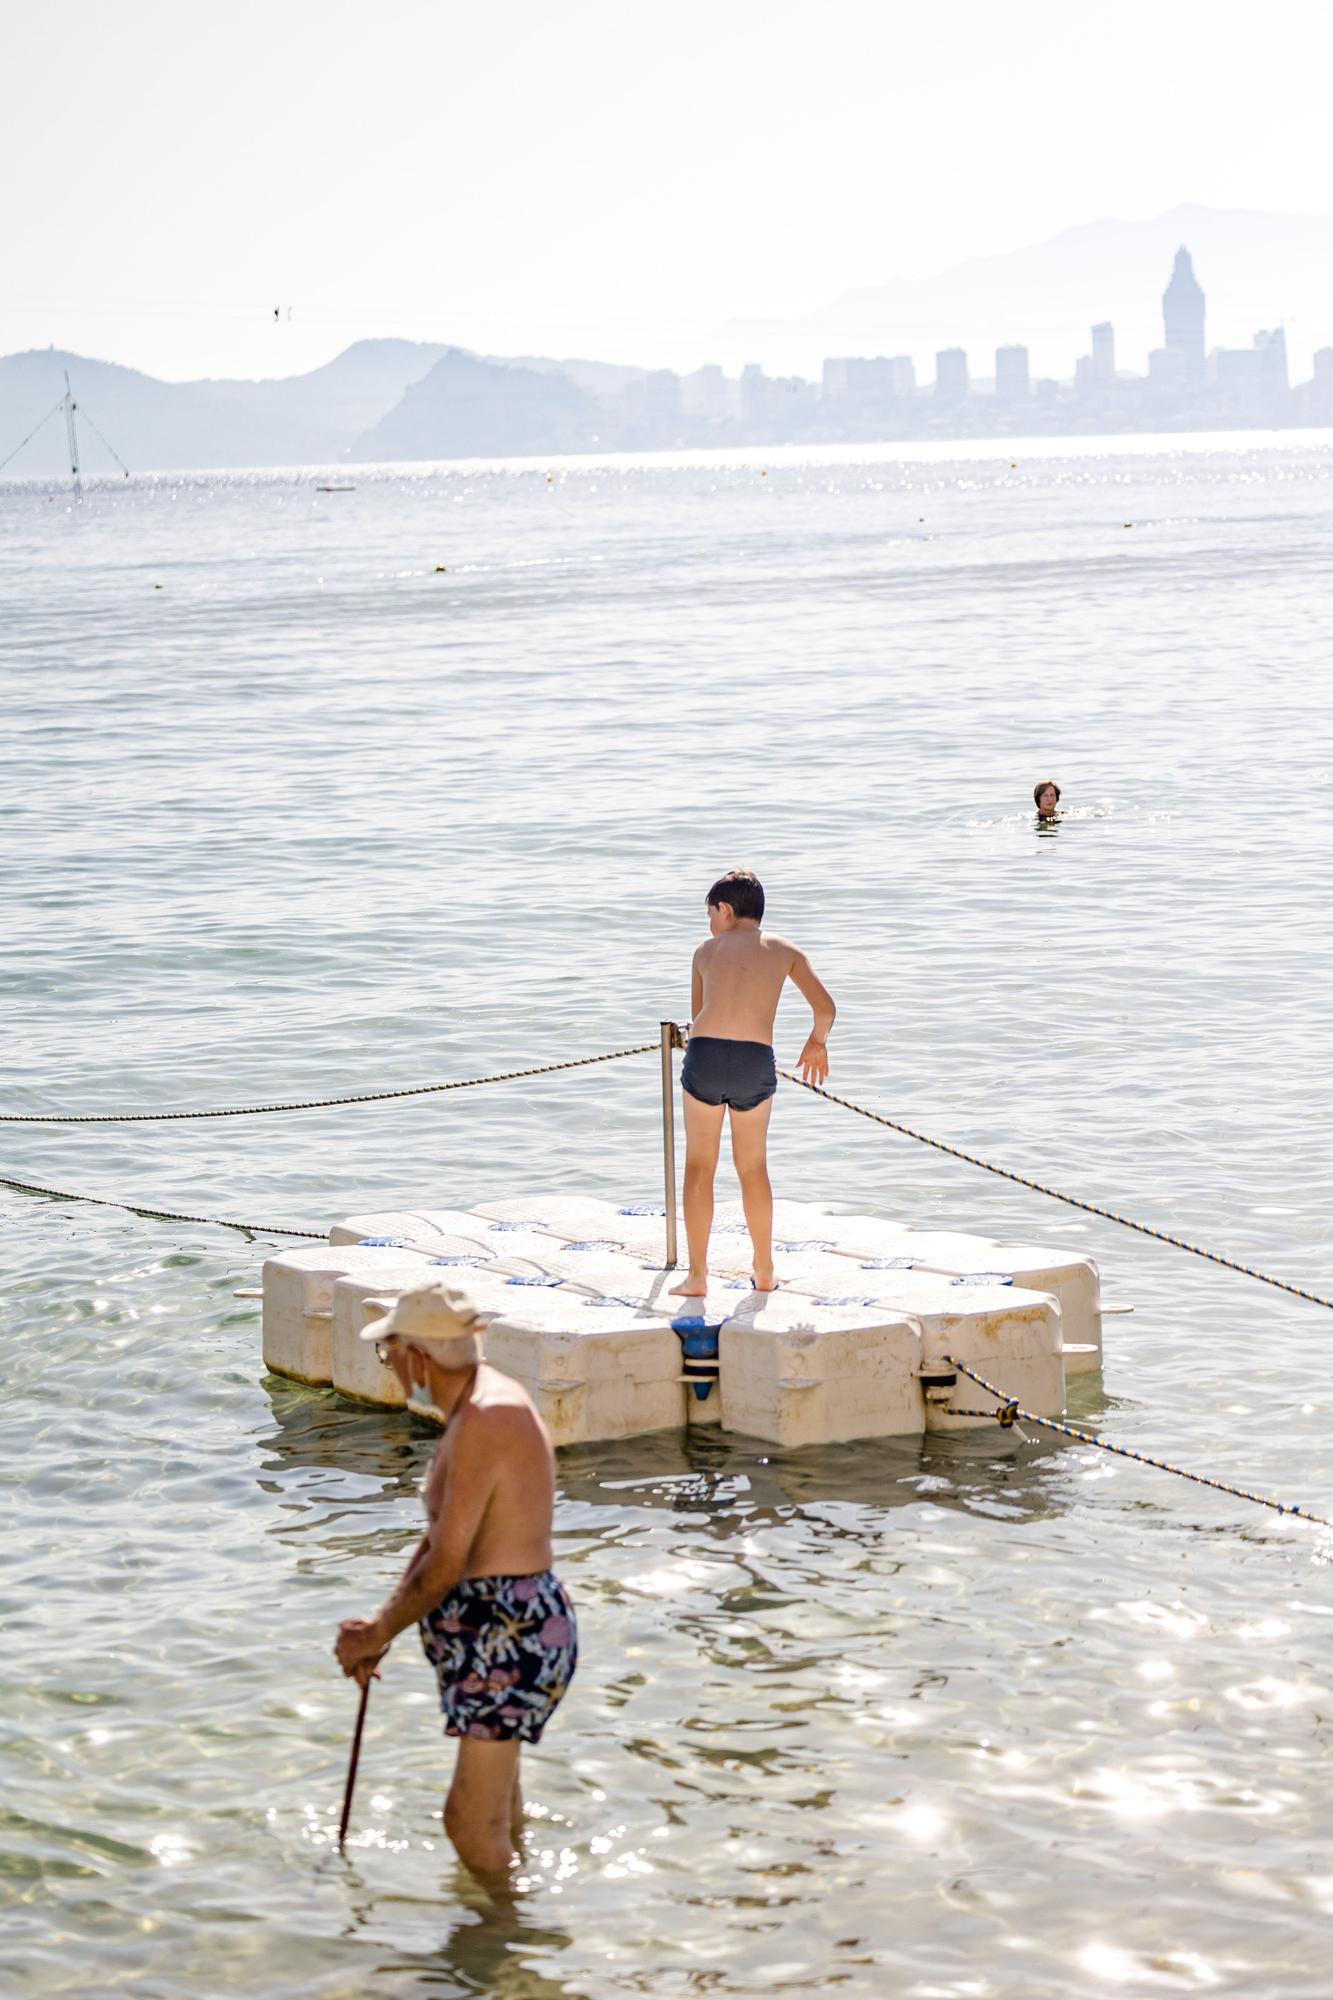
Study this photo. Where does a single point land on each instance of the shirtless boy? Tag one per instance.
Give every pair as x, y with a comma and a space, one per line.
495, 1621
738, 978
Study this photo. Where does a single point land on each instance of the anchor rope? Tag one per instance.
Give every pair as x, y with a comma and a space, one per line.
161, 1214
1009, 1410
1071, 1200
315, 1103
31, 434
108, 446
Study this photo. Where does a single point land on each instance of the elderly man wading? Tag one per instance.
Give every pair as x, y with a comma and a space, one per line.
495, 1621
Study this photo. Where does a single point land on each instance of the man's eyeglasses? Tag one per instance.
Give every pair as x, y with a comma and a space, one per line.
382, 1352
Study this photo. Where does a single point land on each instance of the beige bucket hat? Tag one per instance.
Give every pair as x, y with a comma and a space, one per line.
439, 1316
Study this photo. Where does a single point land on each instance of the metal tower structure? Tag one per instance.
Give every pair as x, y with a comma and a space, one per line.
72, 433
69, 406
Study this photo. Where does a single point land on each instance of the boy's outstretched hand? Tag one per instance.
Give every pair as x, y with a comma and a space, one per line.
813, 1061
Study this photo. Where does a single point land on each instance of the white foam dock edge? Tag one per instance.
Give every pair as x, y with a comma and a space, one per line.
554, 1304
410, 1225
641, 1236
1073, 1281
794, 1373
609, 1275
1010, 1335
790, 1218
861, 1235
1019, 1348
445, 1233
637, 1229
1075, 1284
298, 1303
591, 1381
565, 1215
359, 1297
594, 1372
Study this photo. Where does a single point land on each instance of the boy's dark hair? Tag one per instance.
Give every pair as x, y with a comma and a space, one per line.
1047, 784
744, 892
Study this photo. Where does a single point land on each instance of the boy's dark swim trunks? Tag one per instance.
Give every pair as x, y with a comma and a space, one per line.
741, 1074
505, 1649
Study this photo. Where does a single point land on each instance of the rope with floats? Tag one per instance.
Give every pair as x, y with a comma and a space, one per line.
673, 1037
1009, 1411
161, 1214
315, 1103
1071, 1200
155, 1214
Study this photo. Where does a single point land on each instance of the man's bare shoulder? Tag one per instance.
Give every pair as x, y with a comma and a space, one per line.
496, 1399
500, 1417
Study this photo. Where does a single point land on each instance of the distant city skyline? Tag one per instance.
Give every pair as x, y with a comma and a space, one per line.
394, 400
633, 184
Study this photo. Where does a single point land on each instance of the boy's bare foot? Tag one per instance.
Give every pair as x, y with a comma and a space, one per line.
764, 1281
693, 1286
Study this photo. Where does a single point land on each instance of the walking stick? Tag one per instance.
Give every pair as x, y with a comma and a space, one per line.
355, 1758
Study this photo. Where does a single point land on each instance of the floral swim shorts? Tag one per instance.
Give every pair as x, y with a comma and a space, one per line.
505, 1649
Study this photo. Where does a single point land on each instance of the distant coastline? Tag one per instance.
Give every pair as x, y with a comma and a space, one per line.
400, 401
395, 400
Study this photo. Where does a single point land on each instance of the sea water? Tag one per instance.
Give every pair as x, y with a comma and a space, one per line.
311, 794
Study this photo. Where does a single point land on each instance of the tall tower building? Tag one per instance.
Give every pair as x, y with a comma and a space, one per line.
1103, 353
951, 382
1012, 383
1182, 313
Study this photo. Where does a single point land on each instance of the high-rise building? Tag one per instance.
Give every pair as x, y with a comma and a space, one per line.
1103, 352
706, 393
754, 393
951, 381
833, 383
1271, 347
1253, 378
869, 379
1012, 381
1320, 401
1183, 315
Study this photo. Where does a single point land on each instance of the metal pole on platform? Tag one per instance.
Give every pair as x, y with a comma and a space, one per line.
671, 1039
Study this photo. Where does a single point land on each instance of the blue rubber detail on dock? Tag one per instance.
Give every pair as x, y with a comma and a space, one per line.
698, 1339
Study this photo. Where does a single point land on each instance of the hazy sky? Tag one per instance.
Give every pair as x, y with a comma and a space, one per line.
602, 177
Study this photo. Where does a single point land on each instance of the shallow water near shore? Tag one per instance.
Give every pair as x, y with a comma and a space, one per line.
938, 1720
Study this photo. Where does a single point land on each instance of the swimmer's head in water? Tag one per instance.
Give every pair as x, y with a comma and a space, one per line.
741, 892
1046, 797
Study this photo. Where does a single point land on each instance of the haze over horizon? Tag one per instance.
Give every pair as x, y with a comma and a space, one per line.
622, 184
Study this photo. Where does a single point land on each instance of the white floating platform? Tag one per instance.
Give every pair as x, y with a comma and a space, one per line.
852, 1345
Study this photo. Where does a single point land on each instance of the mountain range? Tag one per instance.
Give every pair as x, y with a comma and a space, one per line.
1257, 270
401, 399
